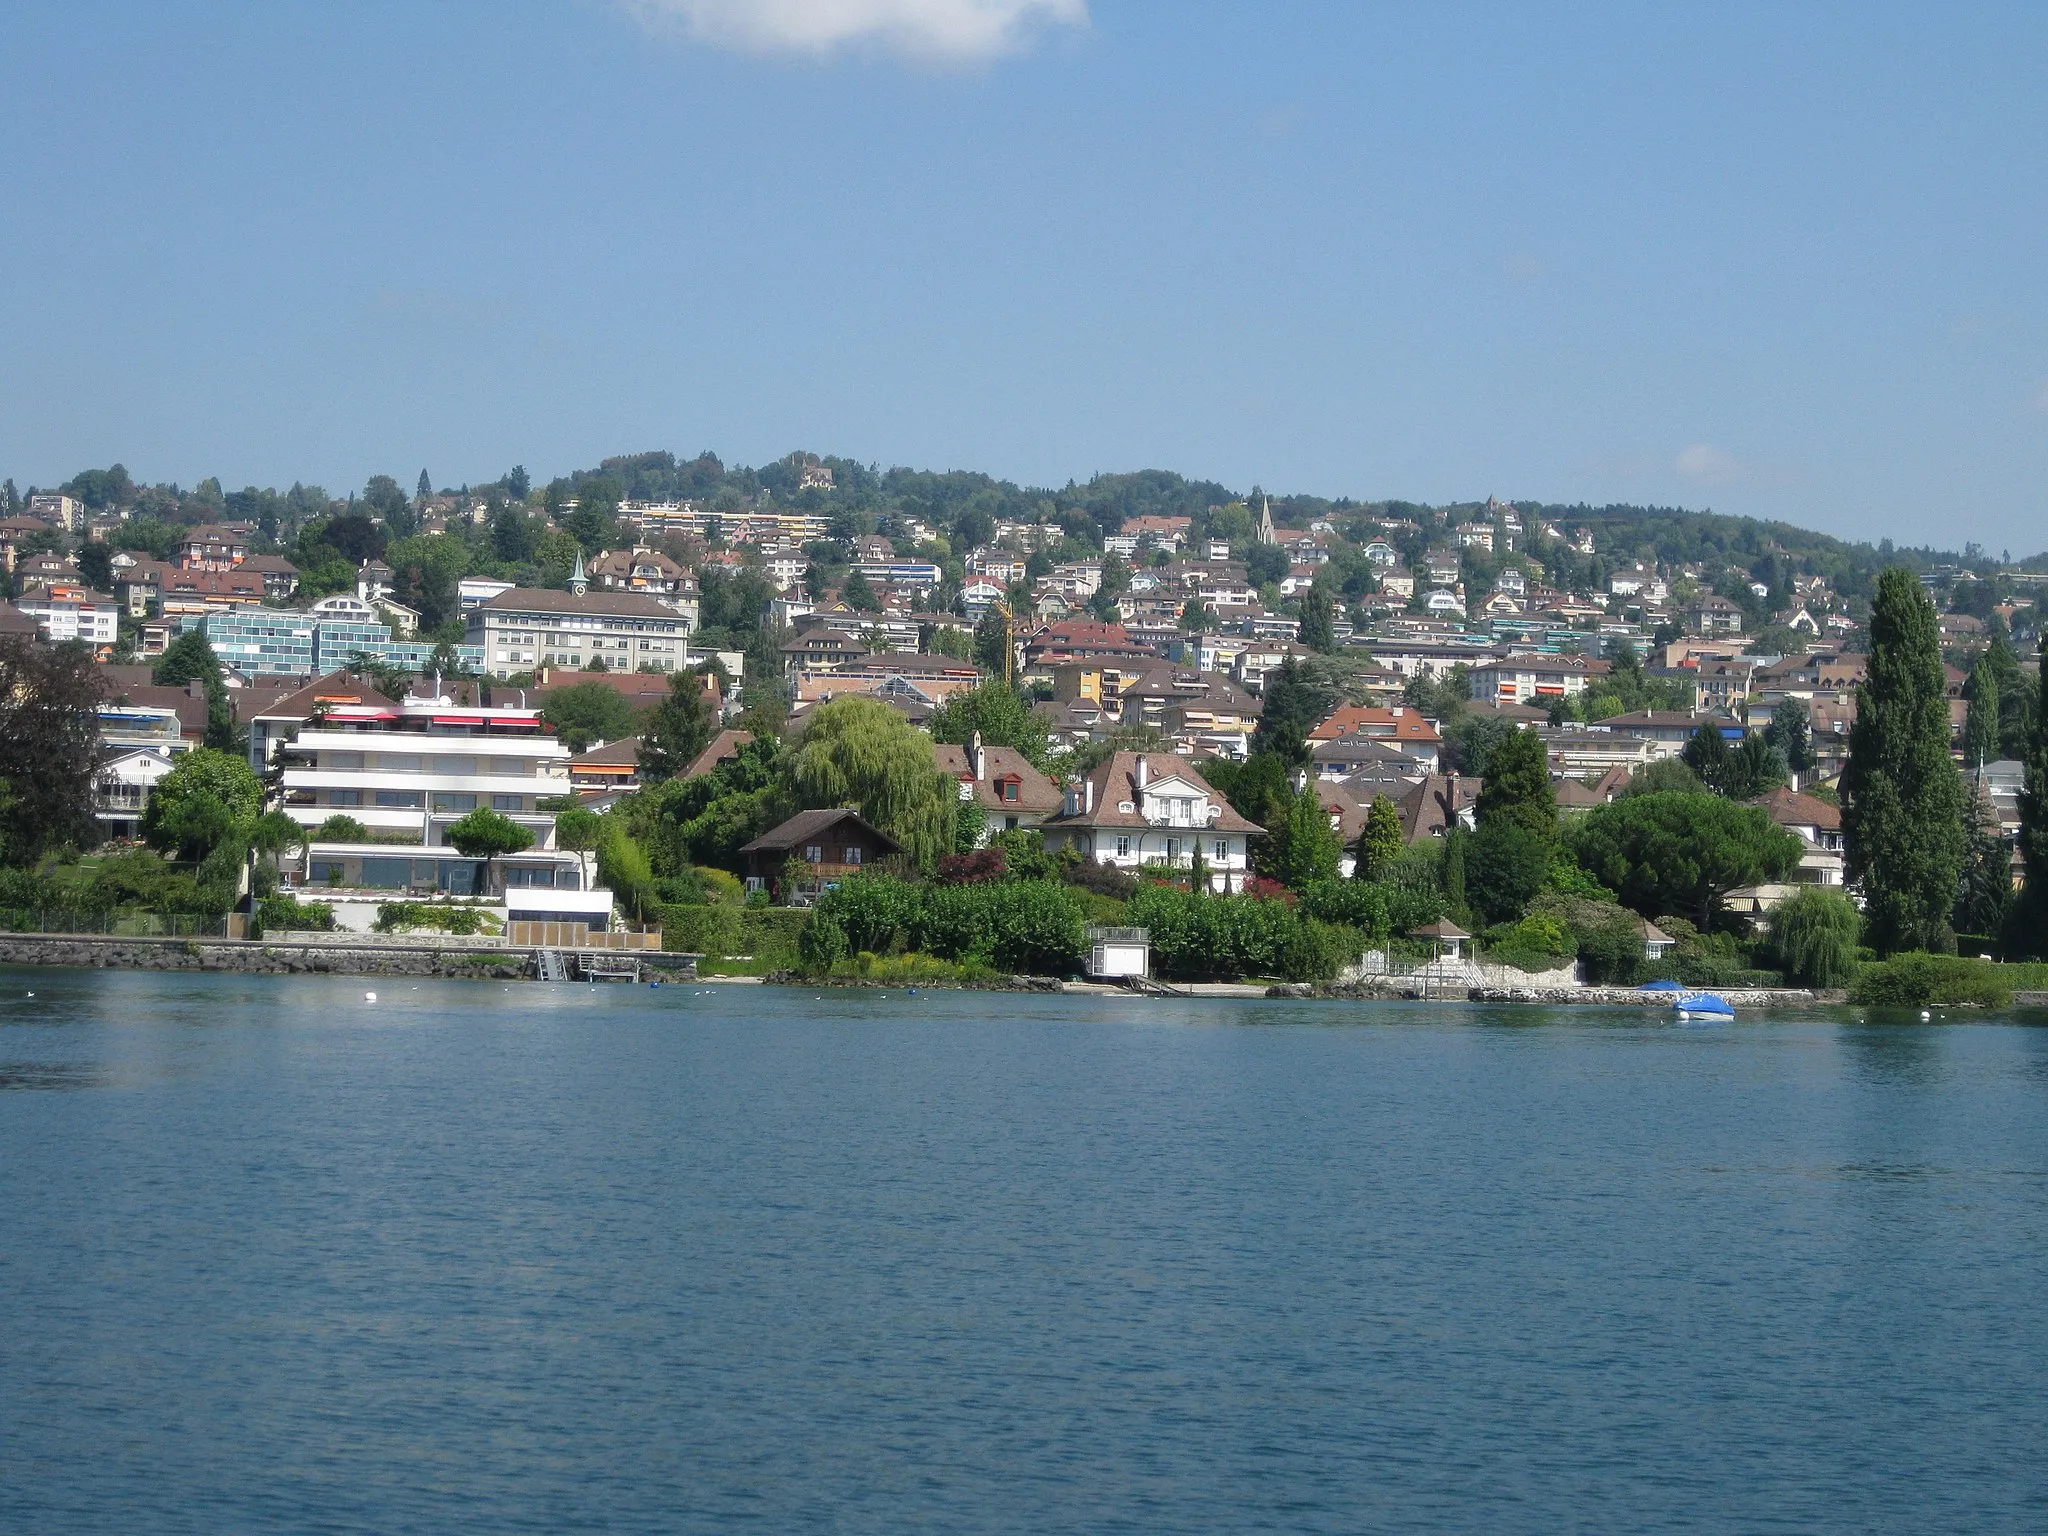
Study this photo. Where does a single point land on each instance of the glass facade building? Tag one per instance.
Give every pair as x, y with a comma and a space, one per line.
274, 642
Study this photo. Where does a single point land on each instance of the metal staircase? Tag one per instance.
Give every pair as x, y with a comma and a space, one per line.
552, 966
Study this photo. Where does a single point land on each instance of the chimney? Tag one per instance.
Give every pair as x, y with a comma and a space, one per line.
1144, 773
977, 759
1089, 791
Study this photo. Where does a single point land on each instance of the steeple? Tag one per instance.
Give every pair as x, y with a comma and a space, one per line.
1268, 534
578, 582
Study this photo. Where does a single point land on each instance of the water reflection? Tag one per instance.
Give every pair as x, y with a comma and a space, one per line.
1905, 1054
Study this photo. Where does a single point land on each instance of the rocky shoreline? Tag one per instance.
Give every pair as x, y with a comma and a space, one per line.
1389, 991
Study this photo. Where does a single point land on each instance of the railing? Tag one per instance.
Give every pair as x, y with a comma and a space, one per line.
119, 924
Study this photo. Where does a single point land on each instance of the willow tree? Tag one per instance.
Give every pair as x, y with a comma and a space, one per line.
860, 754
1902, 799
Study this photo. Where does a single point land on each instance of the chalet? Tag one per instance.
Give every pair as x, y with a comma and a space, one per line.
812, 852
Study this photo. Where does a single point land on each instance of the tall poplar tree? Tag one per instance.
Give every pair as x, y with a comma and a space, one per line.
1902, 799
2027, 932
1980, 729
1319, 618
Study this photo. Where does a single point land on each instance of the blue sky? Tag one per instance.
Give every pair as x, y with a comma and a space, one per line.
1786, 261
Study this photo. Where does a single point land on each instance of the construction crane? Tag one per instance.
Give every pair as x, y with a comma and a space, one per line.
1009, 641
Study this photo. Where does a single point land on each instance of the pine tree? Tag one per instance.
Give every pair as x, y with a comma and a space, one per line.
1517, 786
1454, 874
1791, 732
426, 486
1379, 841
679, 729
1902, 799
1987, 868
1707, 756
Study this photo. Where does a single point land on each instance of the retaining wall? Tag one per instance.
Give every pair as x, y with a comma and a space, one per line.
93, 952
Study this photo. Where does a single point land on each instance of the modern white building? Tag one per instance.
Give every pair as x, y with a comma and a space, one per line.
1142, 809
526, 629
407, 772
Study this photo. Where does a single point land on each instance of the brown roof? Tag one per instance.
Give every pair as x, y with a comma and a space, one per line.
1431, 807
335, 688
1402, 722
623, 605
1442, 928
1789, 808
634, 687
725, 746
1035, 792
187, 700
1116, 783
805, 825
625, 752
14, 622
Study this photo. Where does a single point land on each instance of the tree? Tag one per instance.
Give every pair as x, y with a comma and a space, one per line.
1517, 788
577, 828
426, 486
623, 866
1980, 727
1987, 868
859, 595
96, 566
1452, 871
584, 713
1666, 775
354, 537
992, 644
1902, 800
387, 500
1380, 840
2029, 924
208, 798
1754, 768
1681, 853
49, 747
188, 659
679, 727
1706, 754
1319, 617
1791, 732
1301, 850
858, 752
1296, 701
488, 835
1506, 863
1814, 932
999, 714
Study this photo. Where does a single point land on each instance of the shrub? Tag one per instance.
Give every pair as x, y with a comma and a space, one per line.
976, 868
1917, 980
341, 828
286, 914
442, 916
1023, 925
1814, 934
1229, 937
1103, 879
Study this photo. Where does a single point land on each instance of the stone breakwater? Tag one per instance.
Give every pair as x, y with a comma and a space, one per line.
94, 952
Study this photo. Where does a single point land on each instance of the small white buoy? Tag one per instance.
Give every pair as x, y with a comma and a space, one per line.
31, 994
1925, 1015
369, 997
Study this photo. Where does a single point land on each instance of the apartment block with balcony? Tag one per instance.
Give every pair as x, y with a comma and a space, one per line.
409, 771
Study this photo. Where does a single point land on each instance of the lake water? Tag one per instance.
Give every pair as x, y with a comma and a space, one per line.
488, 1258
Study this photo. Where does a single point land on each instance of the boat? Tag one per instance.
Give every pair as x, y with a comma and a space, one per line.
1705, 1006
1662, 986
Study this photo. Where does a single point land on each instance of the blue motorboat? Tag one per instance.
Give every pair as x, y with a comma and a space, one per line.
1704, 1006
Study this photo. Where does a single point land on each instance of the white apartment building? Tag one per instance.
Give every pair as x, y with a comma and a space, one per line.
1143, 809
526, 629
409, 771
67, 611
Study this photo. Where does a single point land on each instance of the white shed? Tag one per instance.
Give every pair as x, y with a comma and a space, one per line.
1119, 952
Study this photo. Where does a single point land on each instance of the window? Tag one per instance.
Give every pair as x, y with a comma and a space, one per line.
445, 801
344, 797
1172, 849
1123, 847
1222, 850
455, 765
343, 762
1010, 790
399, 762
399, 799
853, 856
814, 855
508, 802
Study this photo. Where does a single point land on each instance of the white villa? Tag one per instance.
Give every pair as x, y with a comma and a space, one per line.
1151, 808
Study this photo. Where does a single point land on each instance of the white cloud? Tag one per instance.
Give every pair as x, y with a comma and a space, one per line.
1710, 465
936, 31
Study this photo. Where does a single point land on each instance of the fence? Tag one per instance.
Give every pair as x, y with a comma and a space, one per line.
1427, 973
532, 935
125, 924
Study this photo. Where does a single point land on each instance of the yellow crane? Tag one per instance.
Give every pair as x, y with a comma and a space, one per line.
1009, 641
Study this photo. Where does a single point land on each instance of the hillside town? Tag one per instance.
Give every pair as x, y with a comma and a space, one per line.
393, 666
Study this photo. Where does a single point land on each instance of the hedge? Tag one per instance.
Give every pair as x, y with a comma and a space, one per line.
1225, 938
1917, 980
1028, 926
